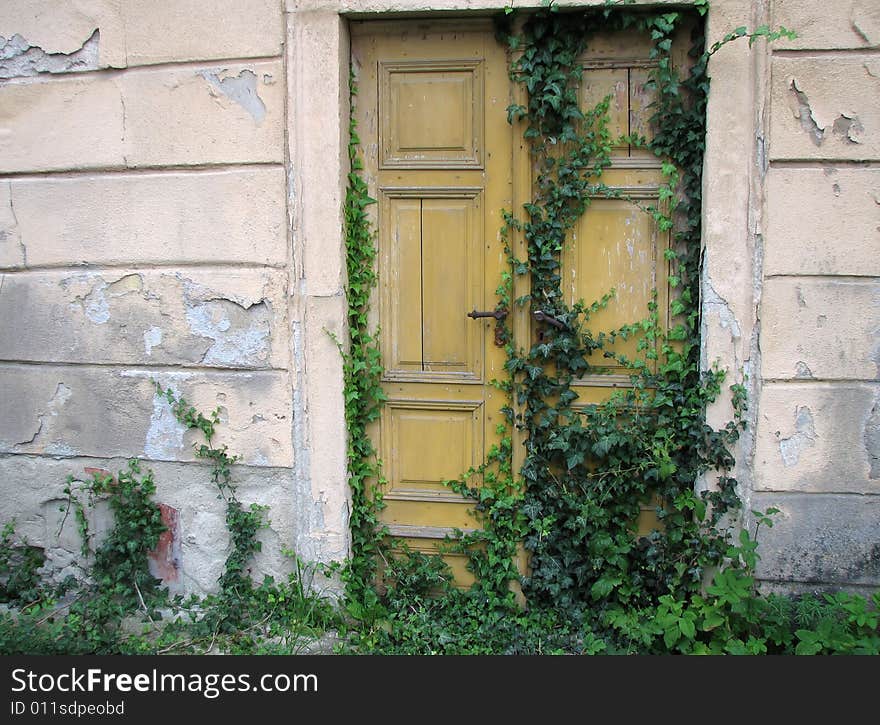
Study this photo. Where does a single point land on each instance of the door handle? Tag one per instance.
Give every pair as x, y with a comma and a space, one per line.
497, 314
541, 316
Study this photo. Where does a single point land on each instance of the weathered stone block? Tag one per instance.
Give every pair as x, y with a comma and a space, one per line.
319, 145
227, 114
177, 117
814, 437
138, 33
820, 328
821, 539
110, 412
177, 30
11, 249
846, 24
825, 108
823, 221
211, 318
215, 216
63, 27
73, 123
31, 492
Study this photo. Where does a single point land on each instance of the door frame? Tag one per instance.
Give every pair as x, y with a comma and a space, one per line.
317, 58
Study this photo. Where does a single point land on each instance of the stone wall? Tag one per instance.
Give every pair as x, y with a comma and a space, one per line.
171, 185
817, 454
145, 235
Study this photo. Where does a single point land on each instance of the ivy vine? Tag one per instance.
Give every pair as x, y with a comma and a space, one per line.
589, 469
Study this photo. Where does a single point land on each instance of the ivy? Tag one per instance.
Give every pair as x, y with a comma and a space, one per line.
362, 370
590, 469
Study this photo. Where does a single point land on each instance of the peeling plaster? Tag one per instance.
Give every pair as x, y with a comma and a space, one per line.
849, 127
242, 89
805, 113
713, 302
53, 408
152, 338
241, 334
872, 441
804, 437
18, 58
802, 370
846, 124
864, 23
164, 439
95, 303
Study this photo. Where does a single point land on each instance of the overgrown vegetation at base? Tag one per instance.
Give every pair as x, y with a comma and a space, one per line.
121, 608
593, 585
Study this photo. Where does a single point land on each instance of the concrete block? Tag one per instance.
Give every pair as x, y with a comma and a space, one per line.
846, 24
235, 216
61, 28
132, 32
825, 108
185, 116
822, 539
820, 328
211, 318
31, 492
823, 221
319, 144
70, 123
107, 412
813, 437
162, 31
12, 254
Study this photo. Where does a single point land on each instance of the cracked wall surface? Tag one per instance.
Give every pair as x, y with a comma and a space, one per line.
816, 450
145, 236
172, 177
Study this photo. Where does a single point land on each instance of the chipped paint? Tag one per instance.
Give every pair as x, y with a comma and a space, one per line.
19, 58
846, 124
10, 233
242, 89
152, 338
804, 113
164, 441
802, 370
241, 334
805, 437
872, 440
849, 127
94, 301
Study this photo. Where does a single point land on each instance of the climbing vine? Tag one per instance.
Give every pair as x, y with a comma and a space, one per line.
362, 370
589, 469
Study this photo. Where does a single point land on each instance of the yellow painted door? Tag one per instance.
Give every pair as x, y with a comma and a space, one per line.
431, 113
617, 245
442, 163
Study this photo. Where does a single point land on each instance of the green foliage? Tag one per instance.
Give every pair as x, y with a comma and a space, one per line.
590, 469
243, 522
19, 568
121, 608
362, 369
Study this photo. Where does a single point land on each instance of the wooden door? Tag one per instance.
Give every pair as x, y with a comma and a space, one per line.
431, 113
441, 161
617, 245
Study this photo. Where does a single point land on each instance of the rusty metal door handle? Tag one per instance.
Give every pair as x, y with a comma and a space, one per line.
497, 314
541, 316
